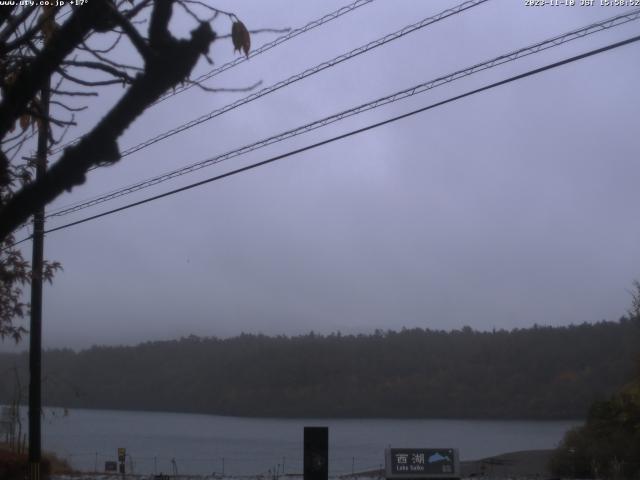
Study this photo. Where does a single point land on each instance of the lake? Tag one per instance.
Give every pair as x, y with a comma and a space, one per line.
203, 444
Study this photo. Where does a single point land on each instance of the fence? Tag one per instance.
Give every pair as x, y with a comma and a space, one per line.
235, 466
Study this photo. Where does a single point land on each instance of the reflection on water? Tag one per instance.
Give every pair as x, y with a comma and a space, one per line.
202, 444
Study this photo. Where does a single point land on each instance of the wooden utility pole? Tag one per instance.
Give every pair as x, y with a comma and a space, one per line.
35, 330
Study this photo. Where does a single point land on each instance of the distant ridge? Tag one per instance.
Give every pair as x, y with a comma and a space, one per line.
534, 373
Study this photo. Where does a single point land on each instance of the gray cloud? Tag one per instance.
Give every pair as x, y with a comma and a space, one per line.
513, 207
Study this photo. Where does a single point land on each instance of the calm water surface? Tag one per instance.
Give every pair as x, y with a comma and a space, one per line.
202, 444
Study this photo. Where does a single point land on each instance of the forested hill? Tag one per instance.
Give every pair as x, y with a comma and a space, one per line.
541, 372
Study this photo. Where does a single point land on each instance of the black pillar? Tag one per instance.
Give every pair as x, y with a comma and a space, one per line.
35, 328
316, 453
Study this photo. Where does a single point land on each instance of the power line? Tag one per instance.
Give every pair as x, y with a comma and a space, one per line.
238, 60
268, 46
15, 244
355, 132
535, 48
307, 73
311, 71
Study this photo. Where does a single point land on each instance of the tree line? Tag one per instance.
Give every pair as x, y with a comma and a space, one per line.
536, 373
607, 445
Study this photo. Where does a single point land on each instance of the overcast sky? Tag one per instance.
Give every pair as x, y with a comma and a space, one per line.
508, 208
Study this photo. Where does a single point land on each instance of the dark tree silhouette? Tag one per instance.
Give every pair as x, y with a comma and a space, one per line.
538, 373
65, 46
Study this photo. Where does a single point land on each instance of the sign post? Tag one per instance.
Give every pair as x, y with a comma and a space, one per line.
122, 456
422, 463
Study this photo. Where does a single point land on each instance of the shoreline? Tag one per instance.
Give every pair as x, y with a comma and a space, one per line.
524, 464
247, 416
521, 464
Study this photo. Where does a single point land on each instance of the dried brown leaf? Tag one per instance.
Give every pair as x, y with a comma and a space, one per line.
25, 120
11, 78
240, 37
49, 25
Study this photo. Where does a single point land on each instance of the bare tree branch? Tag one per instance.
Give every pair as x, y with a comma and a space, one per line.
108, 61
86, 83
31, 31
159, 26
122, 75
30, 79
5, 13
99, 146
137, 9
14, 23
110, 48
74, 93
67, 107
232, 16
136, 39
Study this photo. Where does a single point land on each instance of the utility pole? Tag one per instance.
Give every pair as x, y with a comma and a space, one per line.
37, 260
